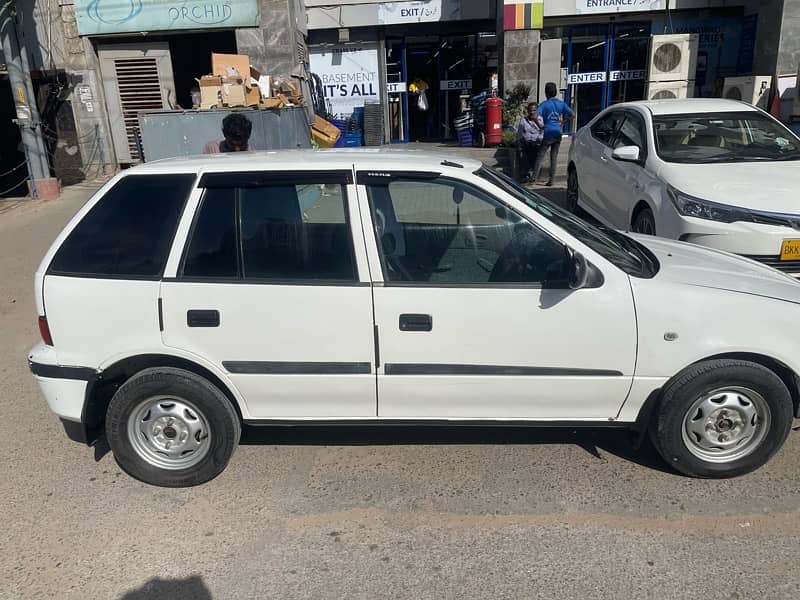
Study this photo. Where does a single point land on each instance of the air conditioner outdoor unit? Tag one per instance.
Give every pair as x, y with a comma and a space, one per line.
673, 57
670, 90
753, 90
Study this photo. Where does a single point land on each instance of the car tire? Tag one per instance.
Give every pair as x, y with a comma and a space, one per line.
644, 222
171, 428
573, 190
722, 418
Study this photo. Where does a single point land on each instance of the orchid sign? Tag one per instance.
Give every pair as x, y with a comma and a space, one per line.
128, 16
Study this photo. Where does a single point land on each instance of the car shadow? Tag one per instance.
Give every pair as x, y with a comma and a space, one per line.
618, 442
190, 588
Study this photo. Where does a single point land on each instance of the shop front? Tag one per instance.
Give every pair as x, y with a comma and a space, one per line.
421, 61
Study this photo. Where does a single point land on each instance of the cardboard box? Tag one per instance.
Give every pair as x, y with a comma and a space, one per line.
324, 133
233, 92
231, 65
271, 103
210, 91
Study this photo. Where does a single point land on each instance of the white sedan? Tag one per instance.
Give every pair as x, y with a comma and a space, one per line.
718, 173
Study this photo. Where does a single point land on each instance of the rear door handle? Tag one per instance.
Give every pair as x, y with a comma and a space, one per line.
416, 322
202, 318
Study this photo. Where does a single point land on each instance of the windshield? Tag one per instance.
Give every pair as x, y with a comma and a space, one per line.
617, 248
723, 138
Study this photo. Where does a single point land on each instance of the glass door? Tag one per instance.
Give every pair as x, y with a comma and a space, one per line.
587, 64
397, 88
629, 45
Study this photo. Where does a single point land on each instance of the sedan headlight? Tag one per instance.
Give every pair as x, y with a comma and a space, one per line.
689, 206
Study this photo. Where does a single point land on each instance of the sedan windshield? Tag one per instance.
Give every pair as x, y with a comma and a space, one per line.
619, 249
723, 138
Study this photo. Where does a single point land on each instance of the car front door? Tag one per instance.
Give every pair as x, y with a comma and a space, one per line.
474, 319
272, 291
625, 182
593, 166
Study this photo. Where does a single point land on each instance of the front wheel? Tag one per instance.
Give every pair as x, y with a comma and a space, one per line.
573, 190
722, 418
644, 222
171, 428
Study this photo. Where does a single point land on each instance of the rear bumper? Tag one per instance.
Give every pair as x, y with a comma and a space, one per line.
65, 388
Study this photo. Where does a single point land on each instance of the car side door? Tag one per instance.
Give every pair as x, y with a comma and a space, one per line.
473, 314
592, 168
626, 180
271, 289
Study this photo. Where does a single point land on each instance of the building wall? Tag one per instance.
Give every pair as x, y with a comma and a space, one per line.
789, 52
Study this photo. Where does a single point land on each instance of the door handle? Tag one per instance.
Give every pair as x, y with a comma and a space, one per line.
202, 318
603, 158
415, 322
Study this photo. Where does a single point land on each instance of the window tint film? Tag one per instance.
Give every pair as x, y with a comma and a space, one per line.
128, 233
295, 232
605, 129
445, 232
630, 134
212, 249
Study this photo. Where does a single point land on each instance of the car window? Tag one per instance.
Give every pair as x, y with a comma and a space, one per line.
724, 138
631, 133
129, 231
442, 231
284, 232
605, 128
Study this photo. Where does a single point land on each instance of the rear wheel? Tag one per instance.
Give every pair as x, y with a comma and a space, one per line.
644, 222
573, 190
722, 418
172, 428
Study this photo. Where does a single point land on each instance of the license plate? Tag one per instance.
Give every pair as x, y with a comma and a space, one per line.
790, 250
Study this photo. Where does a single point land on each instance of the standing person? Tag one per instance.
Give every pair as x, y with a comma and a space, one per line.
236, 129
529, 138
553, 112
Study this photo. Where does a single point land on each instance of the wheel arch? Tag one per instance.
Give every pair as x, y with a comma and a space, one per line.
100, 392
637, 208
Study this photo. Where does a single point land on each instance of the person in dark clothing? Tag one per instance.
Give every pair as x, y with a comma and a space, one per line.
236, 129
553, 111
529, 138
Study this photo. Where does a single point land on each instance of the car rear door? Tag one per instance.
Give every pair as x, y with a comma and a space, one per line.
271, 289
470, 320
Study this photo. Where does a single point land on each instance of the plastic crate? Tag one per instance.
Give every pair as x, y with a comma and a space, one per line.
464, 137
351, 139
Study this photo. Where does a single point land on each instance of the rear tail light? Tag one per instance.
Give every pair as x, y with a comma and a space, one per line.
44, 330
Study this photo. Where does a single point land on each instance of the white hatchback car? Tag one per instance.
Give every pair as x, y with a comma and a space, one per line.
188, 297
718, 173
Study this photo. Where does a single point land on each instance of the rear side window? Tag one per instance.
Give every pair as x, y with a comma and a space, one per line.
128, 233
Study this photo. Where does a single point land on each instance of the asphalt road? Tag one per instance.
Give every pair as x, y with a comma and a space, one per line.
369, 512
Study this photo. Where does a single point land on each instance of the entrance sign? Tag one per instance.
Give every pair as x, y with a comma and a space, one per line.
396, 88
578, 78
626, 75
349, 76
455, 84
583, 7
115, 16
399, 13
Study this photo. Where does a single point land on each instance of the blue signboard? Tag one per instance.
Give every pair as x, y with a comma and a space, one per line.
127, 16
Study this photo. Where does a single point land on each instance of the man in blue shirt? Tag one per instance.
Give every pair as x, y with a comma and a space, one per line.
553, 111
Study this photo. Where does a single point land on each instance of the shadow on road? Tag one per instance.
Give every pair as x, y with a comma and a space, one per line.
613, 441
191, 588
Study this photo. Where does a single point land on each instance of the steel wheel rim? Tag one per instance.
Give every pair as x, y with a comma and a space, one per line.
169, 432
645, 225
726, 424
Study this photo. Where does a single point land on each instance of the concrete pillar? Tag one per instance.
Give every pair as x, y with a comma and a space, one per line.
521, 59
273, 48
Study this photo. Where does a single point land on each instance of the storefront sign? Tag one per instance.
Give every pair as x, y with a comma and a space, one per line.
125, 16
617, 6
578, 78
626, 75
394, 13
396, 88
349, 76
455, 84
523, 14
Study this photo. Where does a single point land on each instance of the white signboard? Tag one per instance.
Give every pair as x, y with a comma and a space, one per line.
396, 88
455, 84
578, 78
583, 7
398, 13
626, 75
349, 76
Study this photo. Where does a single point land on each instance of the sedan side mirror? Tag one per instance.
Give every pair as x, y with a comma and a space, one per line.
580, 272
627, 153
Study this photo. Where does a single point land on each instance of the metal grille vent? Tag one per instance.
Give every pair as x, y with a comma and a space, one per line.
139, 89
302, 54
664, 95
667, 57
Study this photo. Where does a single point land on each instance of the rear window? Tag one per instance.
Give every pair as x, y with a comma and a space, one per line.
128, 233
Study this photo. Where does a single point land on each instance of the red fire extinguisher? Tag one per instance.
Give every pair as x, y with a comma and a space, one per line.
494, 121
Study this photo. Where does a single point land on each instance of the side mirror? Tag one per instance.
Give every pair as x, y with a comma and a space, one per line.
578, 270
627, 153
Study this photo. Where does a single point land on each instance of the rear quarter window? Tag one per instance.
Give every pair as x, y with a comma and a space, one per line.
129, 232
